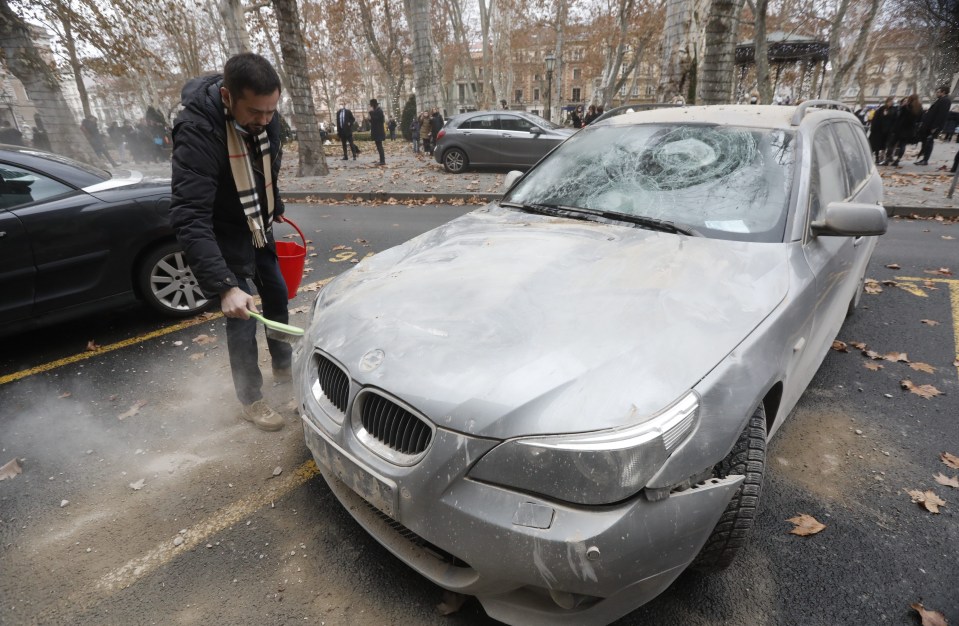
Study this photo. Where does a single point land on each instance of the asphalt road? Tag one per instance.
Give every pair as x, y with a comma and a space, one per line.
144, 500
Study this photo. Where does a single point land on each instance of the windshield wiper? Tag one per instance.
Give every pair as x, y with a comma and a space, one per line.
651, 223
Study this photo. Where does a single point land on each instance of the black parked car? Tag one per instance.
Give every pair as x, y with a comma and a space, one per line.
76, 239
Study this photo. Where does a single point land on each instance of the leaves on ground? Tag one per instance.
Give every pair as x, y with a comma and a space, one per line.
65, 394
202, 340
894, 266
133, 410
929, 618
930, 322
922, 367
872, 366
927, 499
805, 525
858, 345
950, 460
924, 391
92, 346
946, 481
942, 271
872, 286
895, 357
299, 309
839, 346
10, 469
138, 485
872, 354
198, 356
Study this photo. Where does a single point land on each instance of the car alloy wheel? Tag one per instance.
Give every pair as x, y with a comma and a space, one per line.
168, 285
455, 161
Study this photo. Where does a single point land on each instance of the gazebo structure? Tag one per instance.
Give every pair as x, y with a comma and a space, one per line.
787, 52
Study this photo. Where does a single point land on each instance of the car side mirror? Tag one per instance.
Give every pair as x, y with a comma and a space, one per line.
852, 219
536, 130
511, 178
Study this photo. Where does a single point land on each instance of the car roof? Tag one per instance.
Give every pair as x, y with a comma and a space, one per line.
63, 168
745, 115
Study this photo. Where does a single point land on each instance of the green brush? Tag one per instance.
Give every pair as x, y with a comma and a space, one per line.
277, 330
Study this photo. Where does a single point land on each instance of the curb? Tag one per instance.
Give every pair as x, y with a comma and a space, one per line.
922, 211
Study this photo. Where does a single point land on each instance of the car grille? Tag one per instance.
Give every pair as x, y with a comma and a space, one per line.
415, 539
333, 381
393, 426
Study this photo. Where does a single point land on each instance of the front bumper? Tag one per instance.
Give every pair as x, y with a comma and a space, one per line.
524, 557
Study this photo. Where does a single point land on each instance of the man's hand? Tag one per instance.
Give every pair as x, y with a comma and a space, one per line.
236, 303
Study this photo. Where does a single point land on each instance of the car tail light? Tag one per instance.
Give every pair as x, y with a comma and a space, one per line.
440, 134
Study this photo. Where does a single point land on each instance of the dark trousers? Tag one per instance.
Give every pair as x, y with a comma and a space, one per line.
241, 334
926, 151
348, 142
379, 148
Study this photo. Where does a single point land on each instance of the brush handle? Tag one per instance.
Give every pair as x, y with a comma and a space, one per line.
283, 328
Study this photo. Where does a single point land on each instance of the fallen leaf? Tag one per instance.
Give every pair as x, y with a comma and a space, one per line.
138, 485
950, 460
944, 480
923, 391
871, 286
930, 322
198, 356
133, 410
92, 346
858, 345
805, 525
895, 357
894, 266
875, 356
839, 346
10, 469
950, 237
202, 340
65, 394
929, 618
923, 367
299, 309
870, 365
942, 271
340, 247
452, 602
928, 500
209, 315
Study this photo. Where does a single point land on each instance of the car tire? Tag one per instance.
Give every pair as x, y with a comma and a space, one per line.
167, 283
455, 161
747, 458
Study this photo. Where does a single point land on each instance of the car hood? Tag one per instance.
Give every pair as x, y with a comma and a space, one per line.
502, 324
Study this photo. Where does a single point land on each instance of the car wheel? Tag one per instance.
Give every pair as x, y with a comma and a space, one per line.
747, 458
455, 161
167, 283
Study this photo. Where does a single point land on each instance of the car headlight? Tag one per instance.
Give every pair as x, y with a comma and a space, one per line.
599, 467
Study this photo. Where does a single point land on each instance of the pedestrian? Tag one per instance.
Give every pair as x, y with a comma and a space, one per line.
378, 128
950, 128
10, 135
903, 131
503, 105
879, 127
426, 135
577, 117
344, 129
933, 121
392, 127
91, 130
226, 162
415, 134
41, 141
436, 123
590, 115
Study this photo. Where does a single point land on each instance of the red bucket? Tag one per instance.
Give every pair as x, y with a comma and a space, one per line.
292, 256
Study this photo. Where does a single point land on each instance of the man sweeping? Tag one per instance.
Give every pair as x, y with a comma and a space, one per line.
226, 161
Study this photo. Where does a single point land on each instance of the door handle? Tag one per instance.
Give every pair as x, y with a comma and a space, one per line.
857, 241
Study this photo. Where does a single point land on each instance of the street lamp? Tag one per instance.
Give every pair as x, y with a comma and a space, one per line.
550, 63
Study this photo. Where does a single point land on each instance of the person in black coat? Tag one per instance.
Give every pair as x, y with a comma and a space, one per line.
879, 127
227, 242
378, 128
344, 129
903, 131
933, 121
436, 124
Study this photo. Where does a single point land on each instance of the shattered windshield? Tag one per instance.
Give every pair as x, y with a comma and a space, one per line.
724, 182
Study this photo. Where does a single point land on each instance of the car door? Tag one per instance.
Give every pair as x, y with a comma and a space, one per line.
831, 258
522, 145
17, 270
481, 136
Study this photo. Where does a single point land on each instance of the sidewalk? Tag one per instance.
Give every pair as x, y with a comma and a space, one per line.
406, 177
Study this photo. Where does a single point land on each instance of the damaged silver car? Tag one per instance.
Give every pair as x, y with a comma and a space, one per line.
559, 402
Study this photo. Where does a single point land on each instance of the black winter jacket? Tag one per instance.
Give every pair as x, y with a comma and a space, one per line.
205, 211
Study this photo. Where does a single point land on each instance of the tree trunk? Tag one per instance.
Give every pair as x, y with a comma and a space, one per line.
761, 53
24, 61
556, 97
718, 65
843, 63
66, 21
312, 159
425, 75
234, 23
272, 44
487, 12
679, 44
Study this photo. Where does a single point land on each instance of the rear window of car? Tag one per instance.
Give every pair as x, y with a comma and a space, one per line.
481, 122
724, 182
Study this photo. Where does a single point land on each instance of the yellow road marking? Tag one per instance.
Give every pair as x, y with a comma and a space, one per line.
46, 367
136, 569
954, 301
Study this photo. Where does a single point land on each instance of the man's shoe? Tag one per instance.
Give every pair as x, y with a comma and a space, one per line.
922, 162
262, 416
282, 375
345, 159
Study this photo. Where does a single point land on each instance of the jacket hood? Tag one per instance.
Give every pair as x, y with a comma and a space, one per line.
503, 324
200, 97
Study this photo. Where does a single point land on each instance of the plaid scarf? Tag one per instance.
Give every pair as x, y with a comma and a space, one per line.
241, 164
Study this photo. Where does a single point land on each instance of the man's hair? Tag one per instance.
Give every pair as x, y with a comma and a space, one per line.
944, 88
250, 71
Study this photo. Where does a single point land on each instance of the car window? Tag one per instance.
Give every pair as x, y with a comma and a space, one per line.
19, 186
827, 182
481, 122
855, 157
724, 182
512, 122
